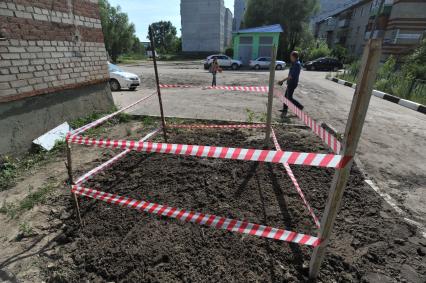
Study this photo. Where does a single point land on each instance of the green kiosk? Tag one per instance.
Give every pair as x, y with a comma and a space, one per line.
252, 43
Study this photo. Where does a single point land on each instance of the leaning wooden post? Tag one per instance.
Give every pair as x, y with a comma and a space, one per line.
71, 181
270, 96
157, 80
355, 123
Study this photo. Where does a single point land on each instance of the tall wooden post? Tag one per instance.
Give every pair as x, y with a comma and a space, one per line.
157, 80
71, 182
270, 96
355, 123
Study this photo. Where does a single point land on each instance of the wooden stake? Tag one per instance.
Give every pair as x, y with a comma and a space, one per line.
270, 96
71, 181
355, 123
157, 80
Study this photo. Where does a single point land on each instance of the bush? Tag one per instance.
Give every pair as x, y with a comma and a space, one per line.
340, 53
229, 52
320, 49
390, 79
415, 64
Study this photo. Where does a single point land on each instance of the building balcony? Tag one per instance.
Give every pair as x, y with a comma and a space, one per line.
385, 11
343, 23
330, 24
376, 34
396, 37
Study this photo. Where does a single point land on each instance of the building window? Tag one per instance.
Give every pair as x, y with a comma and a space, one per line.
362, 11
266, 40
246, 40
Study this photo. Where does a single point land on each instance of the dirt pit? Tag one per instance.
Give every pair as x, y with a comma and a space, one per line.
369, 244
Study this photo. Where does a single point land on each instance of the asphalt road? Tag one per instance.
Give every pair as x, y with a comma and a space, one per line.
392, 149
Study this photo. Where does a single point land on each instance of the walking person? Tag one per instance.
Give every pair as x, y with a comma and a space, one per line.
292, 81
214, 68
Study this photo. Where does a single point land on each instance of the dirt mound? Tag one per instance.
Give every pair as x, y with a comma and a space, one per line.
370, 243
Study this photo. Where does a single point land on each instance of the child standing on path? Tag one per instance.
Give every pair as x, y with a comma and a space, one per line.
214, 69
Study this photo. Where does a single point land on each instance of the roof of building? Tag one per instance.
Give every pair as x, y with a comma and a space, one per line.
343, 9
264, 29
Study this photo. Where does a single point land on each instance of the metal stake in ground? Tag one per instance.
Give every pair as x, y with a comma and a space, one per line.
353, 131
270, 95
68, 164
157, 80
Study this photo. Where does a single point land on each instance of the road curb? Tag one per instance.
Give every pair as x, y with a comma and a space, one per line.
391, 98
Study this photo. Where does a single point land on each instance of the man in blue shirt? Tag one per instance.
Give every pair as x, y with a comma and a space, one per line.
292, 81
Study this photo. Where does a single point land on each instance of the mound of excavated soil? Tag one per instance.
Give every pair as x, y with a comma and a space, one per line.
369, 244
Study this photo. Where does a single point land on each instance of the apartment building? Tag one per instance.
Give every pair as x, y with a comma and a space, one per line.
239, 12
330, 7
405, 26
53, 67
205, 26
228, 27
401, 23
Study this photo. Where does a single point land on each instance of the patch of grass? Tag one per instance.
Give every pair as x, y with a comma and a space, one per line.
34, 197
9, 209
250, 115
80, 122
149, 120
131, 58
253, 117
25, 229
179, 57
11, 168
263, 117
8, 172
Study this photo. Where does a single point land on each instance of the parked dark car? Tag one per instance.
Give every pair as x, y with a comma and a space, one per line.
323, 64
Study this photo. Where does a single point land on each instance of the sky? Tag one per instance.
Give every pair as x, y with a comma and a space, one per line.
144, 12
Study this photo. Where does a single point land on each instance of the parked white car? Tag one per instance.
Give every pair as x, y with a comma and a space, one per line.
265, 62
120, 79
224, 62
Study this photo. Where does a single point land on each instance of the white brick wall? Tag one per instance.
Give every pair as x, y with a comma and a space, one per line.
34, 65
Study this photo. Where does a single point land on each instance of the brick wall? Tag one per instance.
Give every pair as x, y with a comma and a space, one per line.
49, 46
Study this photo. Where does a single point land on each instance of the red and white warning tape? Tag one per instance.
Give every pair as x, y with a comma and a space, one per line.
175, 86
261, 89
325, 136
200, 218
299, 158
294, 180
110, 162
195, 126
105, 118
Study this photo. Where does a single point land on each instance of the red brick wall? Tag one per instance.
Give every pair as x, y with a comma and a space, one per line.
20, 28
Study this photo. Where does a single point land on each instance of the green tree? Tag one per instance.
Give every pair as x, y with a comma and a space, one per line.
292, 15
339, 52
177, 45
118, 32
415, 63
165, 37
318, 49
137, 46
